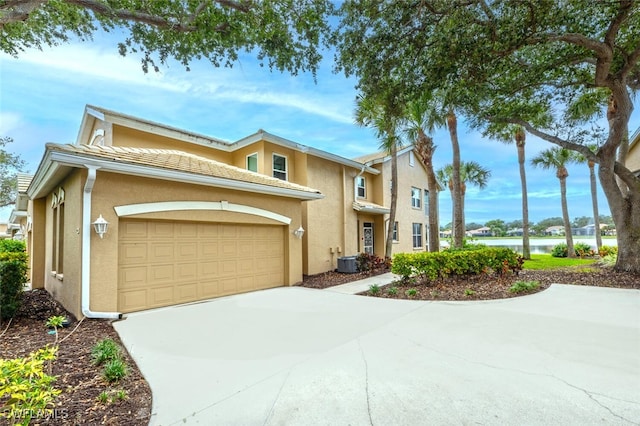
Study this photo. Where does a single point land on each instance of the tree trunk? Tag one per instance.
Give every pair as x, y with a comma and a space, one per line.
425, 150
520, 143
458, 225
594, 202
394, 201
571, 252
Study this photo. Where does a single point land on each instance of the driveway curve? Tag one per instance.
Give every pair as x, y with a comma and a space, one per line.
296, 356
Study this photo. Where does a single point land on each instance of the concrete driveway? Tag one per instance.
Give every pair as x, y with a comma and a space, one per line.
294, 356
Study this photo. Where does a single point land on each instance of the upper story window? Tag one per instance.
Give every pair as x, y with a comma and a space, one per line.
412, 159
279, 166
426, 202
57, 242
252, 162
362, 189
416, 198
395, 232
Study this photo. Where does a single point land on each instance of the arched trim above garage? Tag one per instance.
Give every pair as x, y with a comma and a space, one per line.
135, 209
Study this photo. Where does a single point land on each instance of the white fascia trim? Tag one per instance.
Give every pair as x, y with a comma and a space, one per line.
74, 160
370, 209
268, 137
134, 209
388, 157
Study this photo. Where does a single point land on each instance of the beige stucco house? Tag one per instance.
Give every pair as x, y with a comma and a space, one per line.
192, 217
633, 157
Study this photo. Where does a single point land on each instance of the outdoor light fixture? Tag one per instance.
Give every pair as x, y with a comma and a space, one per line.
100, 225
299, 232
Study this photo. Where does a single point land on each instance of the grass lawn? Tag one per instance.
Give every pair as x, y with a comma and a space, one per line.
546, 261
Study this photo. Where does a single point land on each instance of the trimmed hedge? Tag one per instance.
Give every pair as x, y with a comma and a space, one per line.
428, 266
13, 276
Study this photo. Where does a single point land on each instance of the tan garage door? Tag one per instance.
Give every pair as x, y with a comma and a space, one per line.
165, 263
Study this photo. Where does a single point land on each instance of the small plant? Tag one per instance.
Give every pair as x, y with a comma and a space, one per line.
583, 249
25, 388
412, 292
114, 370
392, 291
608, 251
469, 292
120, 395
56, 322
434, 293
103, 397
524, 286
105, 350
374, 289
366, 262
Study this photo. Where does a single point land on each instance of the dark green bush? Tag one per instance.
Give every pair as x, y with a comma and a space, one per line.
428, 266
13, 277
560, 250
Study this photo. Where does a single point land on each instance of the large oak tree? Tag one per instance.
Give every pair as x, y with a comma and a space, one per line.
552, 67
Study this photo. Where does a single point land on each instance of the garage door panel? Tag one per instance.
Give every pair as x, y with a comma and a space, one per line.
165, 263
132, 253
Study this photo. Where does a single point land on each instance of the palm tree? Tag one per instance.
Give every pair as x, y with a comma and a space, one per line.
456, 177
470, 173
421, 117
557, 158
594, 195
372, 113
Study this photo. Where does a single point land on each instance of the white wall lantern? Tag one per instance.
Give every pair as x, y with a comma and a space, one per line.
299, 232
100, 226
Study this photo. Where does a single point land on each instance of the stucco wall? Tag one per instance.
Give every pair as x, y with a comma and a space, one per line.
633, 158
406, 215
37, 244
133, 190
66, 288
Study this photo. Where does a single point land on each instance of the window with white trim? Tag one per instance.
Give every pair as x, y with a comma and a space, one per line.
279, 166
412, 159
362, 189
426, 202
57, 249
252, 162
416, 198
417, 235
395, 232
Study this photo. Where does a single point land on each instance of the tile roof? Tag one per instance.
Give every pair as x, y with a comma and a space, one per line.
178, 161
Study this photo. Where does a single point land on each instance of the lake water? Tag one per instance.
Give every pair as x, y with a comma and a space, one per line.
542, 245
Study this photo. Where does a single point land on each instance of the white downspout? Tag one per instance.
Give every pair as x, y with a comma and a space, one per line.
86, 250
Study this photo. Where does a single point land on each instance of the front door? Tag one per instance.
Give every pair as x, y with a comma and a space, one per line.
367, 232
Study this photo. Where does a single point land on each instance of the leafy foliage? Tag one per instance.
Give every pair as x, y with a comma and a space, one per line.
366, 262
524, 286
428, 266
12, 246
581, 249
25, 388
10, 165
13, 277
608, 251
284, 34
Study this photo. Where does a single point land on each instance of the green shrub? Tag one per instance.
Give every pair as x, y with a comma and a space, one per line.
13, 277
412, 292
524, 286
469, 292
374, 289
560, 250
25, 387
428, 266
105, 350
608, 251
114, 370
12, 246
392, 291
583, 249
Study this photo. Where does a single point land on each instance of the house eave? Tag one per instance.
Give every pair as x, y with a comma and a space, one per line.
367, 208
57, 164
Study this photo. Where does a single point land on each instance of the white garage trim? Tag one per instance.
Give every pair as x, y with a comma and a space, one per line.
166, 206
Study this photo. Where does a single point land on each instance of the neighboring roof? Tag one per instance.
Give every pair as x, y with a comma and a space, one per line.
93, 112
158, 163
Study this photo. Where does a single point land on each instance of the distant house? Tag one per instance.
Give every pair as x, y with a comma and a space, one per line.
555, 230
633, 157
481, 232
516, 232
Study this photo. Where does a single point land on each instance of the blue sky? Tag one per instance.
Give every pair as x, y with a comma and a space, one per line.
43, 94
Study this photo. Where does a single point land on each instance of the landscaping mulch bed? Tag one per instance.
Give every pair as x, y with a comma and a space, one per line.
79, 380
486, 287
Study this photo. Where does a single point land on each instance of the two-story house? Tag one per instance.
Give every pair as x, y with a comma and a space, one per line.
189, 217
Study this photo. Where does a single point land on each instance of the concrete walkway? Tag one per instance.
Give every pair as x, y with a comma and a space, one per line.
359, 286
296, 356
